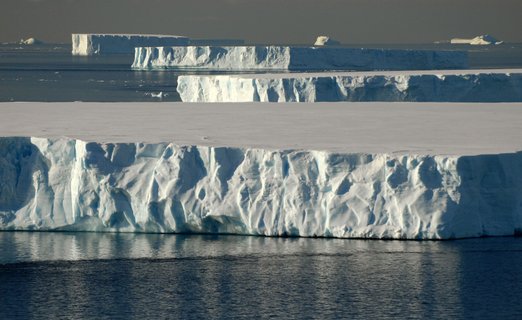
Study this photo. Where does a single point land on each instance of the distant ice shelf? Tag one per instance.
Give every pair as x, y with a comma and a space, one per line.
436, 86
67, 184
294, 58
96, 44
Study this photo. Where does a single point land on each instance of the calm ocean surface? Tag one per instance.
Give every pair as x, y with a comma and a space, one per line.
145, 276
51, 73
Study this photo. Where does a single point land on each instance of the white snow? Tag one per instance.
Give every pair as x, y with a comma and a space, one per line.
401, 170
477, 41
501, 85
326, 41
295, 58
94, 44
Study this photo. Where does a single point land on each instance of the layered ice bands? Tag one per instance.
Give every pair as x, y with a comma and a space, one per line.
65, 184
444, 86
294, 58
94, 44
415, 171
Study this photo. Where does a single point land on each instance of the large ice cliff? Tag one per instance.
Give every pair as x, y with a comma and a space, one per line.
294, 58
94, 44
446, 86
67, 184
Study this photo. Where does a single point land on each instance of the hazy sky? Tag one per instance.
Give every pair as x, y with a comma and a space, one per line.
268, 21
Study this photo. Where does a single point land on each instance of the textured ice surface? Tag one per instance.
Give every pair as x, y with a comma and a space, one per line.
443, 86
326, 41
294, 58
93, 44
65, 184
395, 170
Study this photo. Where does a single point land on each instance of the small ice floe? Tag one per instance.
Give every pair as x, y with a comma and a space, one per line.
158, 95
30, 41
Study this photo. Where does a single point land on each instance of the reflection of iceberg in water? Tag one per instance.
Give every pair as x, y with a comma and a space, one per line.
423, 279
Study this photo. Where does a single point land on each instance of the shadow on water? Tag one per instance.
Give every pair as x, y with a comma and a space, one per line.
82, 275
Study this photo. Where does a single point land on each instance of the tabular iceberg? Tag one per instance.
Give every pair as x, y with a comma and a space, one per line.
94, 44
483, 40
482, 86
66, 184
326, 41
294, 58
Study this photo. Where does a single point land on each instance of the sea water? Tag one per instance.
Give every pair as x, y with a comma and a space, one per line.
50, 73
147, 276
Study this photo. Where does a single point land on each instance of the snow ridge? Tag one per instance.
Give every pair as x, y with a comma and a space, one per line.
65, 184
480, 87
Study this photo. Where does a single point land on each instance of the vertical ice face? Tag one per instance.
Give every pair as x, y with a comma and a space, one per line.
94, 44
295, 58
473, 87
62, 184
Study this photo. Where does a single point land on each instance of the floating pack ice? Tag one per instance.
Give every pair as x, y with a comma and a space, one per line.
94, 44
295, 58
441, 86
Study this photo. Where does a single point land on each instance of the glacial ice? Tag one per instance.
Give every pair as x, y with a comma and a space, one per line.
294, 58
94, 44
483, 40
455, 86
68, 184
326, 41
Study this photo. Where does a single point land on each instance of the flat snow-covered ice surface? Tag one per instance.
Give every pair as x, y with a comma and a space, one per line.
377, 127
369, 170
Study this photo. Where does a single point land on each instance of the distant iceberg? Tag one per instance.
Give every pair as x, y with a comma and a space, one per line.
326, 41
441, 86
30, 41
477, 41
240, 58
95, 44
